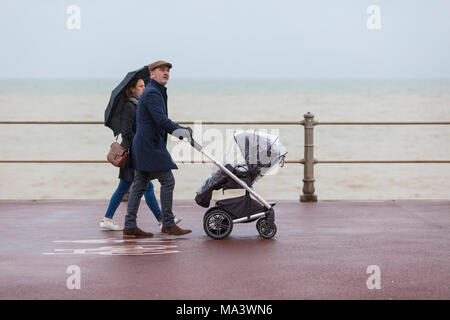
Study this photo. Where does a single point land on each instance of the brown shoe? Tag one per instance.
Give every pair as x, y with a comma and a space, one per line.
175, 230
136, 233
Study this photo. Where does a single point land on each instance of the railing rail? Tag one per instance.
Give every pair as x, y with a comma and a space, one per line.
300, 161
381, 123
308, 161
384, 123
179, 122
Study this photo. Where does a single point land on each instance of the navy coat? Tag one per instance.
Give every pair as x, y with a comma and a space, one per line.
149, 151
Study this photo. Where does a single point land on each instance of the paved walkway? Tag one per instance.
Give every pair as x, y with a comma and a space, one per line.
321, 251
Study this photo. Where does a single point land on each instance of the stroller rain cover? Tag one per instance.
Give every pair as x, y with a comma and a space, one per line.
250, 156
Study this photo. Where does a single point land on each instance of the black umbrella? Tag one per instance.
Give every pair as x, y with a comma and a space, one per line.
112, 112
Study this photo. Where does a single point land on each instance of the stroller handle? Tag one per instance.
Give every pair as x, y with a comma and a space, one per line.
193, 143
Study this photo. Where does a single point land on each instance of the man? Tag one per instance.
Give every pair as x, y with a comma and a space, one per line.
149, 153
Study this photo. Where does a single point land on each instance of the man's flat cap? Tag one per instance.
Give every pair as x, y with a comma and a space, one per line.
158, 64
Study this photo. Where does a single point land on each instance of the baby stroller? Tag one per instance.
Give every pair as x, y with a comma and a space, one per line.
251, 155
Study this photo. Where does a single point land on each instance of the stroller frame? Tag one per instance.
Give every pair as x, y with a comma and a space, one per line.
266, 226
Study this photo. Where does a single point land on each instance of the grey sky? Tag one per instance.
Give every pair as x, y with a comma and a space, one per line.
226, 39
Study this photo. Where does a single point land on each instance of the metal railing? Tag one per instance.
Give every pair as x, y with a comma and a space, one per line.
308, 161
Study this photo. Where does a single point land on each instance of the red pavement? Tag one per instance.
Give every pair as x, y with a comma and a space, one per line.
321, 251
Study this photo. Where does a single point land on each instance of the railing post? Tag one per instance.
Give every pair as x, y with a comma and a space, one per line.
308, 161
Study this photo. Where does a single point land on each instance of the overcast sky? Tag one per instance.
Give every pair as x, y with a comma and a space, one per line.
226, 39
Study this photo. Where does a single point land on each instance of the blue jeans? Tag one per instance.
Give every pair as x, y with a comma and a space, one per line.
120, 192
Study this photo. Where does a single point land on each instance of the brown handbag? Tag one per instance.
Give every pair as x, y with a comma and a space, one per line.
118, 155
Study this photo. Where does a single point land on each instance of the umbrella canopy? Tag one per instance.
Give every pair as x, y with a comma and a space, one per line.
112, 112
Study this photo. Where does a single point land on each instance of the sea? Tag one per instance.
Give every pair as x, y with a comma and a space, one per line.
236, 100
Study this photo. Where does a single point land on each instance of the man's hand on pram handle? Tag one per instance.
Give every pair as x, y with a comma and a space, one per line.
182, 133
187, 133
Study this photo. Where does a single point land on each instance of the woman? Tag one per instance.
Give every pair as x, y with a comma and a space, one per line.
128, 129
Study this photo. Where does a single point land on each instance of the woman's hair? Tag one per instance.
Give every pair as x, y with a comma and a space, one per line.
131, 85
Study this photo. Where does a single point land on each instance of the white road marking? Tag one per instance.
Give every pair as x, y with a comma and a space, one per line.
115, 240
128, 247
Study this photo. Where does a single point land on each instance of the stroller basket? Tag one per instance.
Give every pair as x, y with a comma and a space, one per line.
239, 207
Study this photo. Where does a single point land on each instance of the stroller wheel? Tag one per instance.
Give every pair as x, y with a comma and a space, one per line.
265, 230
217, 224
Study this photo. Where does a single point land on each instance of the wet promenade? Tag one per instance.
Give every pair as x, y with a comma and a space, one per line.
321, 251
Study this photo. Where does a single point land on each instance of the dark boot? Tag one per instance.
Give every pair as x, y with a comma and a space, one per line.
136, 233
175, 231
